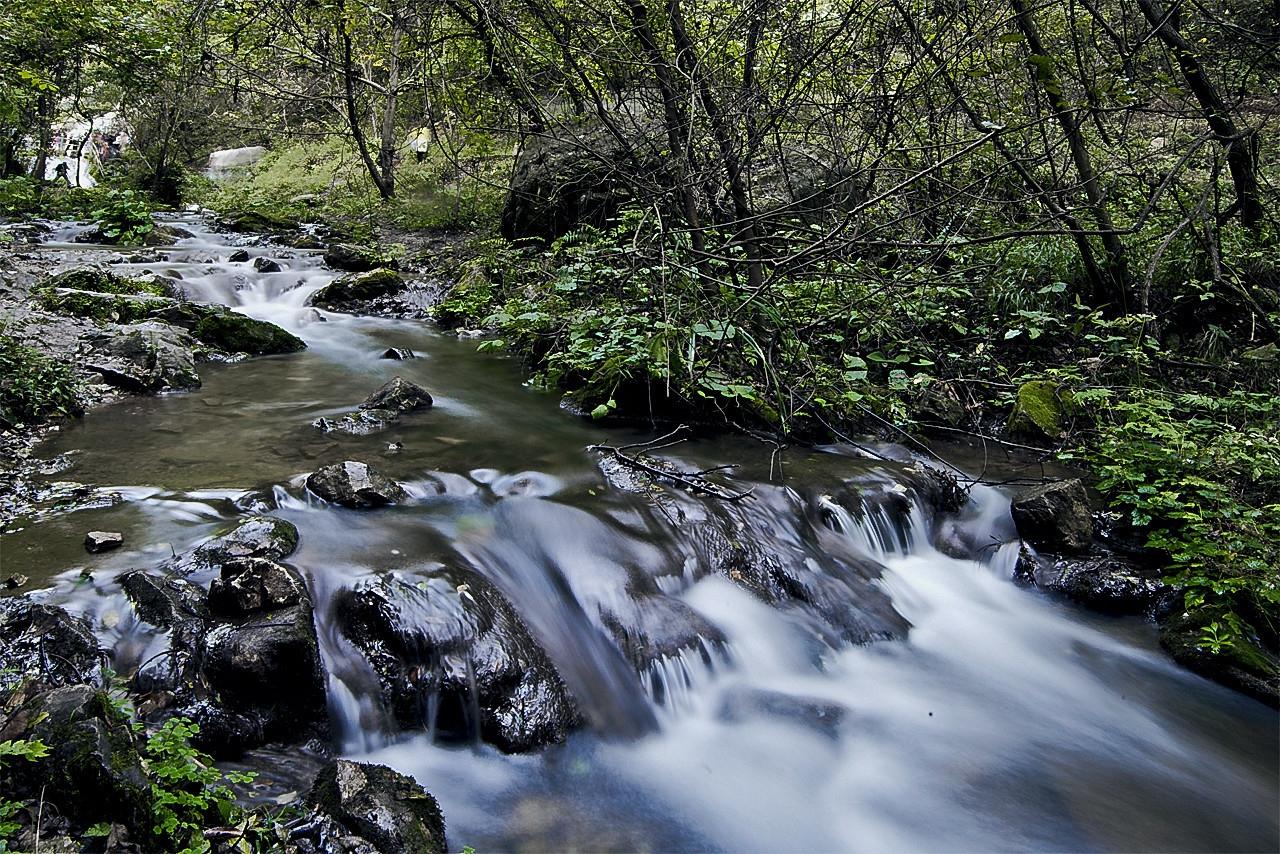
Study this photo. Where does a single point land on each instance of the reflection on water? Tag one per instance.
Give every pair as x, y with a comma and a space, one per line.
1003, 721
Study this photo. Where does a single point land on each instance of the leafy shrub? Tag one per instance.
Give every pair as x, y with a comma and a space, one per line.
30, 751
188, 792
124, 216
34, 387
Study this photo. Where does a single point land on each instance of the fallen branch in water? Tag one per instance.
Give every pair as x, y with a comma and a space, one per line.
694, 481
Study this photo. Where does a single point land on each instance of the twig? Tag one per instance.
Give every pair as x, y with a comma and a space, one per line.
694, 481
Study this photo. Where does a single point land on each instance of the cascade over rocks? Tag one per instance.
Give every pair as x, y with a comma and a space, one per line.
427, 643
360, 808
354, 484
1055, 516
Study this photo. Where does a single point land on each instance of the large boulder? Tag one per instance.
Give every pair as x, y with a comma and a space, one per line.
354, 484
1055, 516
454, 639
354, 289
254, 221
145, 357
357, 259
44, 644
359, 808
233, 332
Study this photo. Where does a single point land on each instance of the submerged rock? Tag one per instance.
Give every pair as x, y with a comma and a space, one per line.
354, 484
359, 807
452, 645
102, 541
1055, 516
359, 423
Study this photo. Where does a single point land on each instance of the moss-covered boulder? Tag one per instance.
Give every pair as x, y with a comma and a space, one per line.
103, 281
256, 221
1042, 410
351, 290
1242, 663
102, 307
235, 333
145, 357
252, 537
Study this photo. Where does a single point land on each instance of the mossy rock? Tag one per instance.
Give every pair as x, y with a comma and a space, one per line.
102, 307
235, 333
1041, 410
354, 258
1243, 665
252, 537
356, 288
386, 809
106, 282
255, 221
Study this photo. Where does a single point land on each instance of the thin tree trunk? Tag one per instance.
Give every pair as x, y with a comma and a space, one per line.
387, 132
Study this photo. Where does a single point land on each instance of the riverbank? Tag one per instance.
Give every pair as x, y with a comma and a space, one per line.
443, 610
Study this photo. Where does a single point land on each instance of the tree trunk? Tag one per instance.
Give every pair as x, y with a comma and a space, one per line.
1241, 144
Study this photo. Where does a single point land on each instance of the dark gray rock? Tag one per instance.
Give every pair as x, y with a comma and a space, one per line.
145, 357
1055, 517
267, 666
356, 259
354, 484
178, 608
263, 264
400, 354
239, 256
96, 542
44, 644
358, 807
654, 628
255, 584
1105, 583
454, 638
398, 395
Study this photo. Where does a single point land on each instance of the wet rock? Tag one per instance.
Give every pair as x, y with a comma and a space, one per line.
254, 584
254, 536
398, 395
164, 601
373, 809
239, 256
452, 644
267, 666
145, 357
356, 259
305, 241
44, 644
355, 288
1105, 583
96, 542
1244, 664
398, 353
1055, 516
179, 609
359, 423
13, 582
224, 733
93, 771
263, 264
654, 628
233, 332
354, 484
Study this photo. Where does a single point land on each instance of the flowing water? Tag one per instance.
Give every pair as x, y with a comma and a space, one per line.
1004, 720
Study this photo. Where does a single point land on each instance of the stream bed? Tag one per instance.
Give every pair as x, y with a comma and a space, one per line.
980, 715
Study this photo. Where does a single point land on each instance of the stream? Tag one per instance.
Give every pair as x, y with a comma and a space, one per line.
1004, 720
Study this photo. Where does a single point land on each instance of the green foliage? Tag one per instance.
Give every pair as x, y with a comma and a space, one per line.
30, 751
1200, 474
34, 387
188, 792
124, 216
